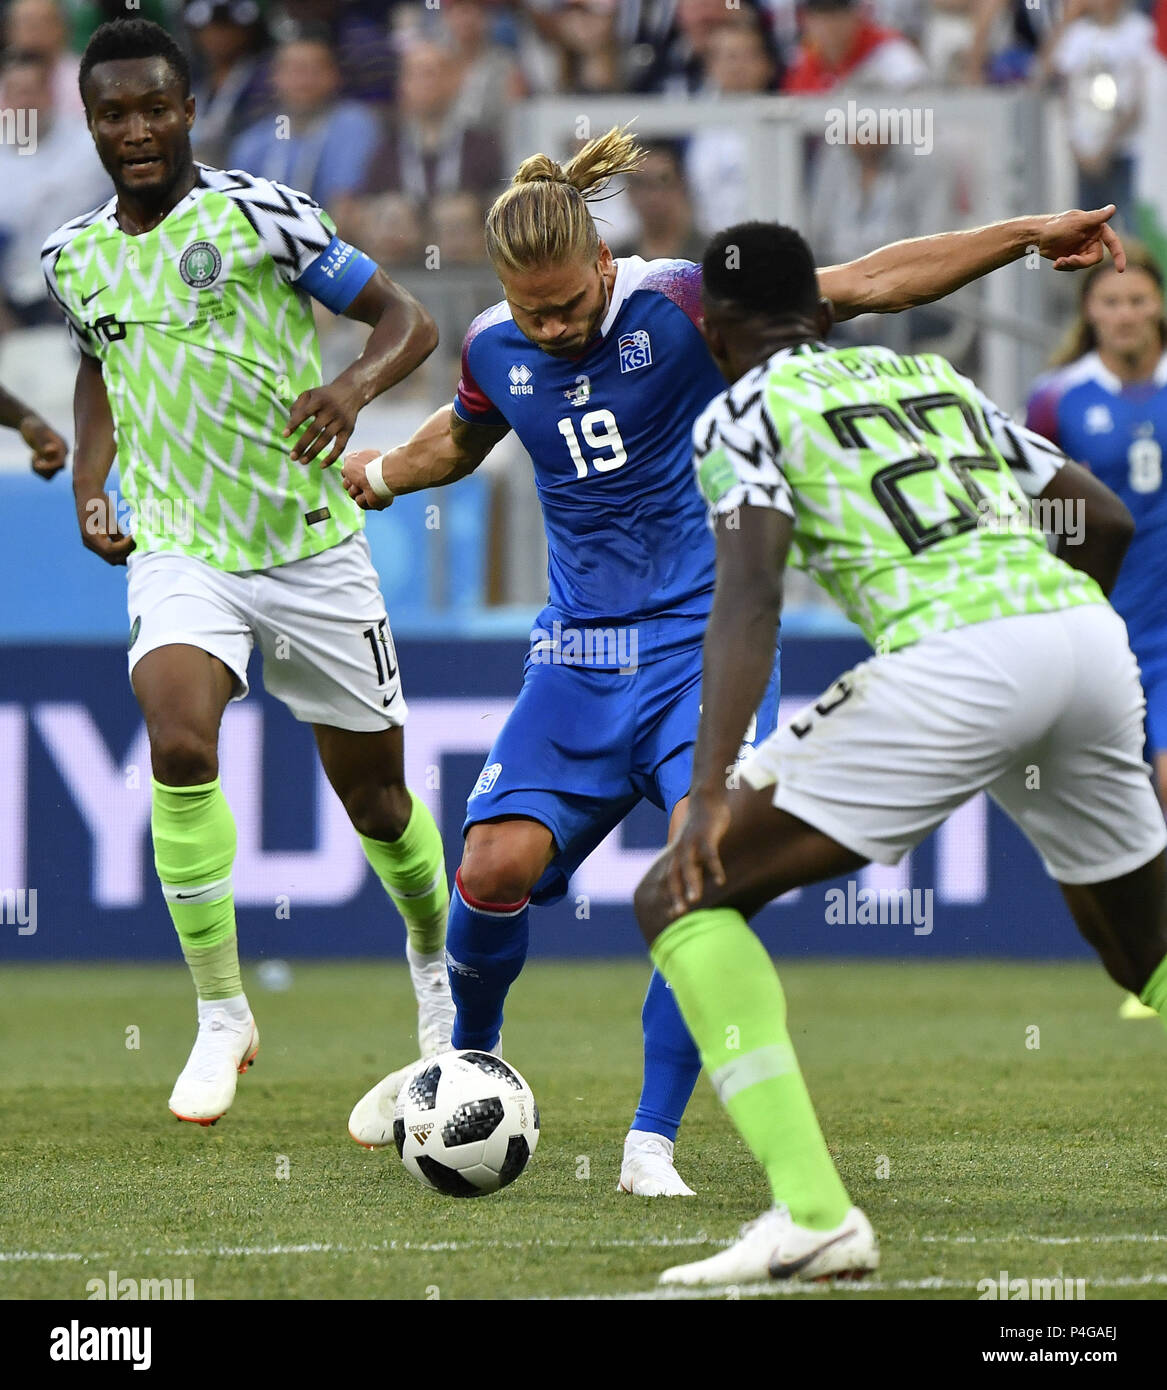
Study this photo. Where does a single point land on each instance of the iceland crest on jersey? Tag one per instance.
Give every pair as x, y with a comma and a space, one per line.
635, 350
486, 779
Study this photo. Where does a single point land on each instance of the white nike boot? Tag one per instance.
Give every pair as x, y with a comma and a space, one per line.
224, 1048
773, 1247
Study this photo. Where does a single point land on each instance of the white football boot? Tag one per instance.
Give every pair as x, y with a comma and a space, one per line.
647, 1169
224, 1048
371, 1122
773, 1247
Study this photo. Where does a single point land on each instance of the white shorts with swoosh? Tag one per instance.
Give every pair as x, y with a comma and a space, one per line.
319, 623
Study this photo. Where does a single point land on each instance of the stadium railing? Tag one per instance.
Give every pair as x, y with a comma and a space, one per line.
477, 565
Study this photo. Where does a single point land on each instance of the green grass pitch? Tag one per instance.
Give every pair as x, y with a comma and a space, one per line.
971, 1149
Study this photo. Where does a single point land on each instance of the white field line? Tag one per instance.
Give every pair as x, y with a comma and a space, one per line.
1043, 1240
381, 1247
452, 1246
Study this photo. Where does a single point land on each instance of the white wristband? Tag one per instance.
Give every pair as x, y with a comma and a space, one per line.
375, 478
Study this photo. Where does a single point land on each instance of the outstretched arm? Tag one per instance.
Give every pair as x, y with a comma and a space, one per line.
908, 273
443, 450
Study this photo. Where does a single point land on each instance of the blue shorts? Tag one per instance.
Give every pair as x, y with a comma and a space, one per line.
582, 746
1153, 674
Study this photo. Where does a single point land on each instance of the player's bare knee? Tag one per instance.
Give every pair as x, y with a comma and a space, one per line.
183, 758
651, 905
378, 811
496, 873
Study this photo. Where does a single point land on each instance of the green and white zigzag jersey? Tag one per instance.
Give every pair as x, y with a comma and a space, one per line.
204, 342
907, 487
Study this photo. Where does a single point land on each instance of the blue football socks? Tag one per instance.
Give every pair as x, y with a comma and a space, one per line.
486, 945
672, 1063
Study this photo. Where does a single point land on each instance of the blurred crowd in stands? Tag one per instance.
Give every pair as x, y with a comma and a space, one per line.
391, 114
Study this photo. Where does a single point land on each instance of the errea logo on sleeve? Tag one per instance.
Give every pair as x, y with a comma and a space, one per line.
520, 377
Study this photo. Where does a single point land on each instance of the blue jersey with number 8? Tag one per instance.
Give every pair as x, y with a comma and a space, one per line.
1120, 432
610, 435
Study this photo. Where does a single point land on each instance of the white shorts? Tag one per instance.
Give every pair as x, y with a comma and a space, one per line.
1044, 712
320, 624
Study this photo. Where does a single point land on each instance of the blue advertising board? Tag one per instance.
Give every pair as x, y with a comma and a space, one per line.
76, 862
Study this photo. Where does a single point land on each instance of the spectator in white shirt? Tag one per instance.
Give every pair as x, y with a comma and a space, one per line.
1102, 59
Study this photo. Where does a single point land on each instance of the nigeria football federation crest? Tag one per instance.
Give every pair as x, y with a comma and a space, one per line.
200, 264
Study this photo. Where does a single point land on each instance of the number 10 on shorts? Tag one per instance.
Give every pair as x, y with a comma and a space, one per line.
384, 656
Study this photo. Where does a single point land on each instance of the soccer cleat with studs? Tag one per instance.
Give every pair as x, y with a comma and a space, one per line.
224, 1049
773, 1247
647, 1169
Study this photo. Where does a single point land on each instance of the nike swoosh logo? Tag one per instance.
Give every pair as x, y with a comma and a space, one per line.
793, 1267
185, 897
85, 300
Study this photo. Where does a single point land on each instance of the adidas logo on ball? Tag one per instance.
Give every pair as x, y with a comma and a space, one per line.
475, 1121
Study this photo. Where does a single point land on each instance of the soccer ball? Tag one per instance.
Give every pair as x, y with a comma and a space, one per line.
466, 1124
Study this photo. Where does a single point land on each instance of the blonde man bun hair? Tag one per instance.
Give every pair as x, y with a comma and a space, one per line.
542, 218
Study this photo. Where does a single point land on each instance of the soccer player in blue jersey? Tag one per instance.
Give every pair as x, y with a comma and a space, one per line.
600, 368
1105, 404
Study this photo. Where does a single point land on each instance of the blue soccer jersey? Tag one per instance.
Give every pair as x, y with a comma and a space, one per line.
610, 435
1119, 432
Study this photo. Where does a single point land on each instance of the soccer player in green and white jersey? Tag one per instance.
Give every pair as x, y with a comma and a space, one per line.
188, 294
904, 491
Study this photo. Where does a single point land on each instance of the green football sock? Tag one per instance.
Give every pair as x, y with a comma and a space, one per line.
194, 849
1154, 993
730, 997
412, 871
